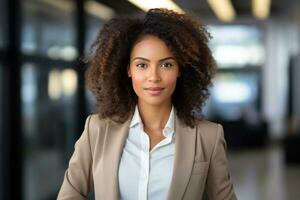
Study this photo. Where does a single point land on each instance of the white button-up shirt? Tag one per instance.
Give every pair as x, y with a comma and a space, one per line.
144, 174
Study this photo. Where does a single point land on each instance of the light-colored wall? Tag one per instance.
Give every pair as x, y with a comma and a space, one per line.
282, 42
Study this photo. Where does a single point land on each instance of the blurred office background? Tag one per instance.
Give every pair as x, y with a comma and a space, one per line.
43, 101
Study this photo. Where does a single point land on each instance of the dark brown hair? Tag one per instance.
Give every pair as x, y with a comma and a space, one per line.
186, 38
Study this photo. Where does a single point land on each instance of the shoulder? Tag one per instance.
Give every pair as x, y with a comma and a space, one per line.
96, 127
94, 124
94, 120
208, 127
210, 132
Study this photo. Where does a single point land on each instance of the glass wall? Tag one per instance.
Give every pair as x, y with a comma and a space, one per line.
234, 96
50, 100
240, 54
237, 46
48, 96
48, 29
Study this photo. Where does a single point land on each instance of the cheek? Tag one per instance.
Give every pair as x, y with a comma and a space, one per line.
171, 80
137, 80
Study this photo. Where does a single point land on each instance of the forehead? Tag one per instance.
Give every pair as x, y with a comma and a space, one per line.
150, 46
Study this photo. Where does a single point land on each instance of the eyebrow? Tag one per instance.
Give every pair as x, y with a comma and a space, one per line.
161, 60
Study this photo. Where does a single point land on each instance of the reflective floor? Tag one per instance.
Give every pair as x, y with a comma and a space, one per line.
262, 175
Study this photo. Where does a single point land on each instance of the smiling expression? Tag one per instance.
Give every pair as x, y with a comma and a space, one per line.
153, 70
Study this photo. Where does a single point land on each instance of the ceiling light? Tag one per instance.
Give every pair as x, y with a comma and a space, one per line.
63, 5
261, 8
145, 5
223, 9
99, 10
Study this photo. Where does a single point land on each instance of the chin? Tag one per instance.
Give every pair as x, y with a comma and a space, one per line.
154, 102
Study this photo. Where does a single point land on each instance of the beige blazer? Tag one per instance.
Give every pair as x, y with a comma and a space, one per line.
200, 164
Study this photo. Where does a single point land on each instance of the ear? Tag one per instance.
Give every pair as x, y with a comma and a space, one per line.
128, 71
179, 74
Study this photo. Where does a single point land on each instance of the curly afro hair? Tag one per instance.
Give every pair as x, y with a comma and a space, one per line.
186, 38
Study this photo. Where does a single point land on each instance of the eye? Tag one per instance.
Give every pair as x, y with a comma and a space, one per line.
167, 65
141, 65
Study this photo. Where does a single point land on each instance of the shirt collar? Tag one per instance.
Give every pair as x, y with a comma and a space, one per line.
169, 129
136, 119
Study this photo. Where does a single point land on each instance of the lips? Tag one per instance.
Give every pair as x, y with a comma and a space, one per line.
154, 88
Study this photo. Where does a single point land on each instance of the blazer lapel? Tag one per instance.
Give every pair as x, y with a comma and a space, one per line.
185, 138
116, 135
115, 138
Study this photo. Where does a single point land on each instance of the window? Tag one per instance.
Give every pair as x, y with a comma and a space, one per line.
48, 97
237, 46
234, 96
48, 94
48, 29
236, 93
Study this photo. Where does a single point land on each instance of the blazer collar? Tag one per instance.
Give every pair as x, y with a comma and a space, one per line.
115, 138
185, 141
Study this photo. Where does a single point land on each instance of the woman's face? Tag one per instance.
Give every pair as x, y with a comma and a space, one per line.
153, 70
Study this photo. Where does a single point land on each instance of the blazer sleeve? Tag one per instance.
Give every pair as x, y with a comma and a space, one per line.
219, 184
78, 179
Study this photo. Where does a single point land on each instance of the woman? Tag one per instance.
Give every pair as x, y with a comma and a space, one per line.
150, 77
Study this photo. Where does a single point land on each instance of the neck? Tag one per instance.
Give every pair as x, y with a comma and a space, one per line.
154, 117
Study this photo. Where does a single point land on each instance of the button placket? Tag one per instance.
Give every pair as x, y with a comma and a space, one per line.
144, 179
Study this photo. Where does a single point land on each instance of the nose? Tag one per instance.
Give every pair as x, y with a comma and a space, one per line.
154, 74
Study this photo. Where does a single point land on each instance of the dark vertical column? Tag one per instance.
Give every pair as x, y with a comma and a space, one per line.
13, 161
259, 91
290, 89
291, 129
80, 31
